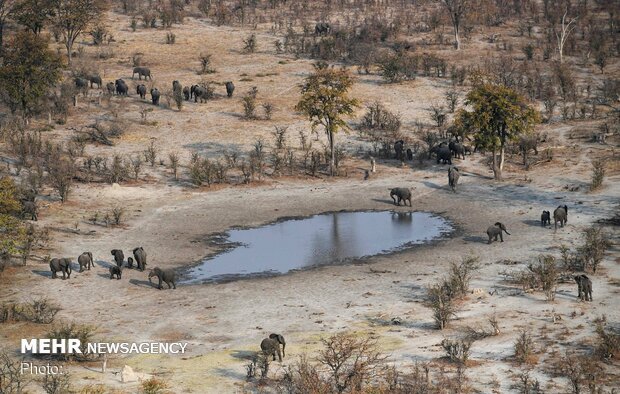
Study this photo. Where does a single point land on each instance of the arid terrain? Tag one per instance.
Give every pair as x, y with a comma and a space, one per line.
224, 323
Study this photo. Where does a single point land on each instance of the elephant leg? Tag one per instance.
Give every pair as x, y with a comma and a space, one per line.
174, 285
160, 286
501, 237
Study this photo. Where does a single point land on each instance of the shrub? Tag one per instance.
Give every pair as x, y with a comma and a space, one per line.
150, 154
153, 386
174, 163
71, 331
598, 174
524, 347
56, 383
268, 107
171, 38
595, 244
460, 276
117, 214
441, 303
249, 44
608, 346
205, 64
457, 350
249, 104
545, 275
12, 380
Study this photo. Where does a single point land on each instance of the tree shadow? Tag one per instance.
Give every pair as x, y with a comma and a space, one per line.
228, 373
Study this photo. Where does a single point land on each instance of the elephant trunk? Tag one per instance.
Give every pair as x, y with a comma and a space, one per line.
506, 231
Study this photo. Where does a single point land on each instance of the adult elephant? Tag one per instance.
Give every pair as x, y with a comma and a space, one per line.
453, 177
155, 96
176, 85
457, 149
121, 87
85, 260
95, 79
201, 93
322, 28
168, 276
142, 72
560, 215
119, 257
399, 148
30, 210
61, 265
140, 255
271, 346
399, 194
443, 154
495, 231
584, 287
230, 88
141, 90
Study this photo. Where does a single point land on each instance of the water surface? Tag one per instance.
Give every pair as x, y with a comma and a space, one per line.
325, 239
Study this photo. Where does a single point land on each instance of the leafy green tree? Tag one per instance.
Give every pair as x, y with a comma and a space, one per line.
12, 231
325, 101
499, 115
33, 14
73, 17
6, 10
29, 71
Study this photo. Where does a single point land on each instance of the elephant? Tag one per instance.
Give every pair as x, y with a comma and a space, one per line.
155, 96
457, 149
230, 88
192, 89
560, 215
81, 83
142, 72
63, 265
30, 210
271, 346
584, 287
200, 93
129, 262
176, 85
496, 231
140, 255
399, 148
453, 177
118, 271
403, 194
186, 93
322, 28
168, 276
118, 256
409, 154
110, 87
121, 87
85, 260
467, 149
95, 79
141, 90
443, 153
545, 218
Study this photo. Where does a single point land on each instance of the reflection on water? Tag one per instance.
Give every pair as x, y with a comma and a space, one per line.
318, 240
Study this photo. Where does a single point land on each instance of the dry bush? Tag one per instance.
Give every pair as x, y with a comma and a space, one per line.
608, 343
457, 350
61, 173
72, 331
382, 128
56, 383
442, 304
249, 102
171, 38
117, 215
205, 64
460, 275
524, 347
249, 44
598, 174
592, 251
153, 386
150, 154
12, 380
174, 163
546, 274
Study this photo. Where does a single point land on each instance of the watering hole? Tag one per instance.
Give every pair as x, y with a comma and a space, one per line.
319, 240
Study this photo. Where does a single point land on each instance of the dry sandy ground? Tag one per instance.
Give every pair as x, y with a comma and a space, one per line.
224, 323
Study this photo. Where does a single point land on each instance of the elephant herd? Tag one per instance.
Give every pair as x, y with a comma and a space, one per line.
119, 87
85, 261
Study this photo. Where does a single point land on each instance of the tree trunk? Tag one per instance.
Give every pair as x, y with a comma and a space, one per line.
332, 160
457, 40
497, 172
69, 45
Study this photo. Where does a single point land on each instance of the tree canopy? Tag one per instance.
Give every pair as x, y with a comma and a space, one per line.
29, 71
11, 230
325, 102
498, 115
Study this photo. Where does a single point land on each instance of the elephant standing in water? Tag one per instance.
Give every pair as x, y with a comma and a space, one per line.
63, 265
495, 231
271, 346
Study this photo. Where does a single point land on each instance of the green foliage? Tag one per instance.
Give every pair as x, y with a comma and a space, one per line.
325, 101
28, 73
33, 14
499, 115
12, 232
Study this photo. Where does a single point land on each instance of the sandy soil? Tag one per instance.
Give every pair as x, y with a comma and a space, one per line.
224, 323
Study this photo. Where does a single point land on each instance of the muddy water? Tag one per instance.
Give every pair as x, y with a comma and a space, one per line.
319, 240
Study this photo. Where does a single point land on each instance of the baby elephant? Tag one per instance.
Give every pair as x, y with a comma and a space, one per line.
584, 287
129, 262
402, 194
86, 260
63, 265
271, 346
545, 218
453, 177
496, 231
114, 270
168, 276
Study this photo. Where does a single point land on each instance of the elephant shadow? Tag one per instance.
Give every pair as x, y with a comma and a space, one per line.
243, 354
104, 264
144, 283
534, 223
46, 274
432, 185
476, 239
385, 201
104, 276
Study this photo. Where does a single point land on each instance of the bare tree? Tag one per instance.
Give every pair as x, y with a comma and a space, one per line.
73, 17
457, 9
6, 8
566, 28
